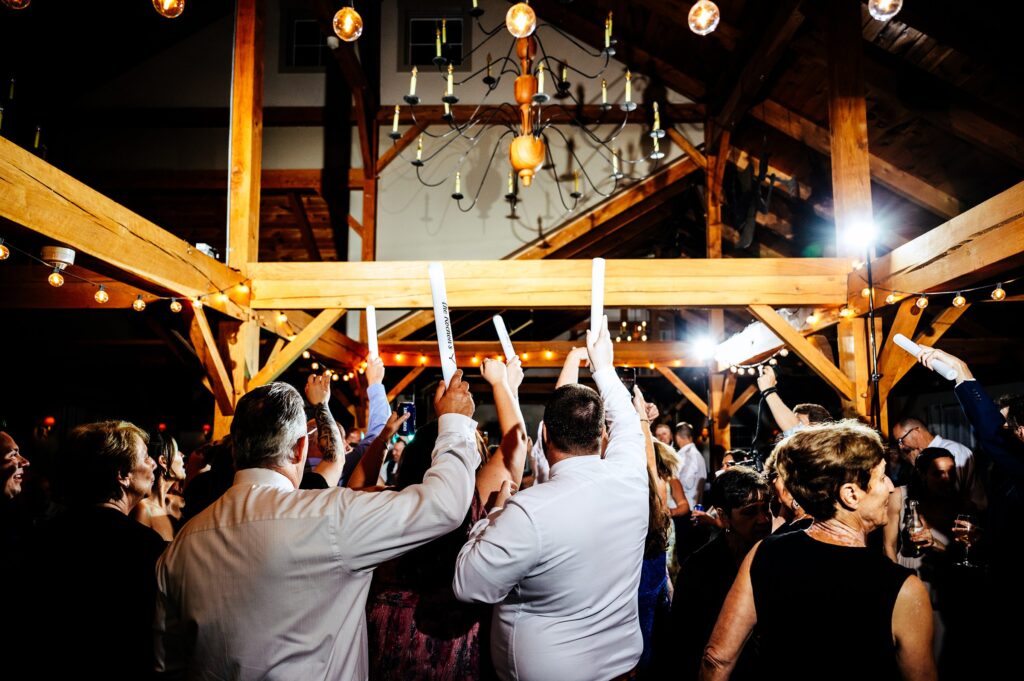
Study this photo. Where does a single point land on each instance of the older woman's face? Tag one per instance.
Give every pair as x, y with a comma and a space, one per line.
872, 508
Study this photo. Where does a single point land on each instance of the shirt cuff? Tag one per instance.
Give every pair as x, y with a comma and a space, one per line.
457, 424
602, 377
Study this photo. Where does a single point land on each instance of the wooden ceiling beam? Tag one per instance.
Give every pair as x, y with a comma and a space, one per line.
685, 390
884, 173
552, 283
271, 179
206, 349
48, 201
804, 349
291, 352
775, 38
982, 243
536, 354
404, 382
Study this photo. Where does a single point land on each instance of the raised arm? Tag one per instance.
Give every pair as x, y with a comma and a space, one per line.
625, 440
571, 368
368, 470
508, 465
995, 441
735, 623
767, 383
647, 413
375, 527
329, 437
380, 410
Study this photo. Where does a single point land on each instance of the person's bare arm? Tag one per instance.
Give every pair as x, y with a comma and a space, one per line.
571, 369
783, 415
507, 465
735, 623
367, 470
912, 631
891, 531
682, 505
328, 433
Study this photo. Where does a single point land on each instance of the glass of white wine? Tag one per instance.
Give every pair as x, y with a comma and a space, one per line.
965, 531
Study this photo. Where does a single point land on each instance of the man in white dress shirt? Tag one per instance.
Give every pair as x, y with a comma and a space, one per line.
562, 560
912, 436
270, 582
693, 472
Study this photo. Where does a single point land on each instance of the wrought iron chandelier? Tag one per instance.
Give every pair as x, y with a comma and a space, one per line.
534, 119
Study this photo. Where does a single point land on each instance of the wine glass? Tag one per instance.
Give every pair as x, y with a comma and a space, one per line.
964, 531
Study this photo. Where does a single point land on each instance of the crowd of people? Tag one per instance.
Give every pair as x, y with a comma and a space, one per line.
294, 550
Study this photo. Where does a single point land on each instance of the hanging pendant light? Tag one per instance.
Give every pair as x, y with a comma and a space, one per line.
704, 17
348, 25
170, 9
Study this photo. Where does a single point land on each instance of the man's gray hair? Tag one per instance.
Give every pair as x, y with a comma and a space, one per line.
266, 425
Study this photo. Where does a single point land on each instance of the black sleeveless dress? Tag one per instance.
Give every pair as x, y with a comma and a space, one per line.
824, 611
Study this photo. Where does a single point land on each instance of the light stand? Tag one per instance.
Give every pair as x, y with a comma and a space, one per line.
876, 405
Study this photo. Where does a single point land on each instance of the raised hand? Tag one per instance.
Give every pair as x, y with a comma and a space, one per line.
456, 399
514, 369
374, 370
494, 371
929, 355
394, 423
318, 389
766, 378
599, 348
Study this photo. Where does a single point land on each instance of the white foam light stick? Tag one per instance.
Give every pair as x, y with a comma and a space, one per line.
596, 295
442, 322
938, 366
506, 342
371, 330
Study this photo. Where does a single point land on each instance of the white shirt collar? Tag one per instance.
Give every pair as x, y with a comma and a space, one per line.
263, 477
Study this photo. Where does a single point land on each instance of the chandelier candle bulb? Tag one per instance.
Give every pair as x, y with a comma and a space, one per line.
609, 23
394, 121
596, 295
657, 117
503, 337
629, 87
607, 34
511, 183
412, 82
442, 322
458, 182
565, 72
438, 44
451, 81
604, 92
419, 149
371, 330
540, 79
444, 31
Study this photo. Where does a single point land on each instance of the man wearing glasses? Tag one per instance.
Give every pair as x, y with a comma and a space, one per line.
912, 436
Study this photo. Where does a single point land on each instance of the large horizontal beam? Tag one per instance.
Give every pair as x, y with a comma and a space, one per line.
536, 353
553, 283
982, 243
42, 198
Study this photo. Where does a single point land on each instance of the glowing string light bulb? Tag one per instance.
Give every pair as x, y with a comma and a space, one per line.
169, 9
348, 25
922, 302
56, 279
138, 304
959, 300
305, 354
101, 296
703, 17
998, 293
175, 305
5, 252
883, 10
521, 20
890, 299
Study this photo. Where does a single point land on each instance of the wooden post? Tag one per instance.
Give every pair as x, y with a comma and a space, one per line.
246, 150
853, 360
848, 123
244, 351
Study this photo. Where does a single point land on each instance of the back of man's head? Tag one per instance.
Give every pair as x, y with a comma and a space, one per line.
574, 418
815, 413
267, 423
97, 455
684, 433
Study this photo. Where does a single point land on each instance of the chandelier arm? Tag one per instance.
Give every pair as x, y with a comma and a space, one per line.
483, 177
424, 182
588, 76
583, 48
579, 163
554, 175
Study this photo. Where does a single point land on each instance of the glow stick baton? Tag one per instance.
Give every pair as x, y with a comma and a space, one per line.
506, 342
442, 322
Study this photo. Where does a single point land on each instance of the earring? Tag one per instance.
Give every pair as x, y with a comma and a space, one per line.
796, 505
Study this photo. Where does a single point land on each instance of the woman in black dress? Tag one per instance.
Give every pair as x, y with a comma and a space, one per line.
824, 605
